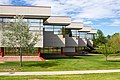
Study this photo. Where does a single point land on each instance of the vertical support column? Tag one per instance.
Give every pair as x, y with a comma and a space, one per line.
62, 50
2, 51
39, 51
40, 55
75, 50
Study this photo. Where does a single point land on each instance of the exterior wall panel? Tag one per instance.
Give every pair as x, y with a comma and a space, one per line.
70, 41
65, 49
90, 42
82, 42
53, 40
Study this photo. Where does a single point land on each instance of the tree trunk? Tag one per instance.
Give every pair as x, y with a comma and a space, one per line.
106, 51
20, 57
106, 58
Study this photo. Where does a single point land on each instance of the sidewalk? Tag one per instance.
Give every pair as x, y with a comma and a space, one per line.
56, 72
24, 58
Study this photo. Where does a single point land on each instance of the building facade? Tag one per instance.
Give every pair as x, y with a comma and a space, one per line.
54, 31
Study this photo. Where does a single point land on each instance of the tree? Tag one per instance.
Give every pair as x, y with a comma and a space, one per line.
108, 36
115, 42
102, 42
64, 32
17, 34
106, 50
99, 39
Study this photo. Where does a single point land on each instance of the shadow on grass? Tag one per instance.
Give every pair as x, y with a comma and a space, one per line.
70, 57
42, 64
113, 60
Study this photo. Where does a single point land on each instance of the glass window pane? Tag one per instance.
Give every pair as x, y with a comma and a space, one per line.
34, 28
34, 24
82, 34
0, 19
33, 20
8, 20
48, 28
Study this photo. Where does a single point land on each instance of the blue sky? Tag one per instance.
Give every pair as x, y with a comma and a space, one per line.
100, 14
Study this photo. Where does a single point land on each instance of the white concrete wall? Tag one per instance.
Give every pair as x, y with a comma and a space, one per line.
40, 38
90, 42
67, 49
24, 10
58, 20
40, 42
70, 41
82, 42
53, 40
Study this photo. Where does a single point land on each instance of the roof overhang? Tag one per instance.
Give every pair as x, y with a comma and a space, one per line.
93, 31
85, 29
26, 11
75, 26
58, 20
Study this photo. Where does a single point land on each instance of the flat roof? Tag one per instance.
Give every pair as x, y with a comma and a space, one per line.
85, 29
27, 11
93, 31
75, 25
58, 20
27, 6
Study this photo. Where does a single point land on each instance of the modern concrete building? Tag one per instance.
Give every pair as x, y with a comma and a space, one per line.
83, 36
54, 31
90, 36
34, 15
71, 39
53, 34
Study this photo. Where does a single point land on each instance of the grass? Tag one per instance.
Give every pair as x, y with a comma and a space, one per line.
105, 76
90, 62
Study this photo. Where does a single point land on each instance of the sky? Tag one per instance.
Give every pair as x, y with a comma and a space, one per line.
99, 14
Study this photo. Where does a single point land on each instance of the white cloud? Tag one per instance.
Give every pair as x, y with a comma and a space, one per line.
92, 9
88, 22
112, 23
115, 22
77, 20
4, 2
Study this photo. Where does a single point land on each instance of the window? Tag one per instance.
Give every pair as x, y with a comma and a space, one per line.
58, 29
0, 20
55, 29
75, 33
82, 34
90, 36
34, 24
48, 28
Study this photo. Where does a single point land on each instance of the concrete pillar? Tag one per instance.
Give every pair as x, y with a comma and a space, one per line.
75, 49
39, 52
62, 50
2, 52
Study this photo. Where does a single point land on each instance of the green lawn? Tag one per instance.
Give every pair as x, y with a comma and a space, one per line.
90, 62
105, 76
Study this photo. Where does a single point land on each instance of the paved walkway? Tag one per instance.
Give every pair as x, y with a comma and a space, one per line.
24, 58
56, 72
